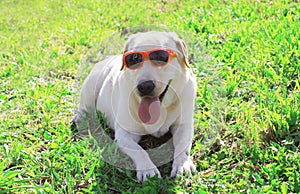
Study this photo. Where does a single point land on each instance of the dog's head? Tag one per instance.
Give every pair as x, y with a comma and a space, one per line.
153, 60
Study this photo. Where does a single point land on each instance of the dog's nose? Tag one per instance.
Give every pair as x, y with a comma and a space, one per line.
146, 88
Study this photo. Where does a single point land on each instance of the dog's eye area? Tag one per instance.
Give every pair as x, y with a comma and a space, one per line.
133, 60
159, 58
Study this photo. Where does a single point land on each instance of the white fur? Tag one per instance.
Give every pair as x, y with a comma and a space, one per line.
112, 91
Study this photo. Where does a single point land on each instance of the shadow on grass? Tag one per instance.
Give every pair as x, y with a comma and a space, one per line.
118, 174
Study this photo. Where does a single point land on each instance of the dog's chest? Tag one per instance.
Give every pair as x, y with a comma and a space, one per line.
162, 127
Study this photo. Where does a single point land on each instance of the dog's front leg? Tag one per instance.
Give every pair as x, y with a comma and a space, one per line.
182, 140
128, 143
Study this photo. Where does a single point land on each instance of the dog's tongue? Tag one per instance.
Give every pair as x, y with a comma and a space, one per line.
149, 110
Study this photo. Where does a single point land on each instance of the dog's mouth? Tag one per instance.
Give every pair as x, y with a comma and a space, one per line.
149, 107
162, 95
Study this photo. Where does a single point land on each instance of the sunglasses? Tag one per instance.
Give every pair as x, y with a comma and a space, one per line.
158, 58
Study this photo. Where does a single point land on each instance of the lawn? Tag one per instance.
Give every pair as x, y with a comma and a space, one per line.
247, 116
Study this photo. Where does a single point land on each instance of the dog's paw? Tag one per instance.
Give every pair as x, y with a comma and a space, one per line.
182, 166
142, 175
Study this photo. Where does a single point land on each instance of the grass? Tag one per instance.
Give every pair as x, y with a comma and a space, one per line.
247, 116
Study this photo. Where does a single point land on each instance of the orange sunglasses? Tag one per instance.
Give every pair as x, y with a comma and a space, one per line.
158, 57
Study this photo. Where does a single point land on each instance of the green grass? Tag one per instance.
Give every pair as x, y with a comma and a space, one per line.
247, 117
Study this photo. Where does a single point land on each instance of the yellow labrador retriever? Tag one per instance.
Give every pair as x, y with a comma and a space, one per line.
150, 89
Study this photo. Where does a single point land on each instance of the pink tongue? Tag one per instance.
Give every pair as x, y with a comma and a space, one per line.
149, 110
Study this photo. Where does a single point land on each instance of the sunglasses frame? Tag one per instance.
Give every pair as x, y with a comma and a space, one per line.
145, 55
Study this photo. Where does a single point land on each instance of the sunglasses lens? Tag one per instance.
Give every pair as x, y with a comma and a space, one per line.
159, 57
133, 60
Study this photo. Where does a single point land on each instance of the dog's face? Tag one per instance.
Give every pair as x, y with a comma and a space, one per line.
151, 81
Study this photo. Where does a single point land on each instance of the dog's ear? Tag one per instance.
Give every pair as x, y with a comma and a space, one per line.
126, 46
181, 46
185, 53
125, 50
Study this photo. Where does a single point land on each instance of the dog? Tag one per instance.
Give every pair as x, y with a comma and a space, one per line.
149, 89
